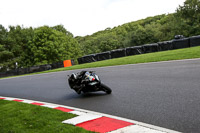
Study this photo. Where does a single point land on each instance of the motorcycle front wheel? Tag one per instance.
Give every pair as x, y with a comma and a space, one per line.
106, 88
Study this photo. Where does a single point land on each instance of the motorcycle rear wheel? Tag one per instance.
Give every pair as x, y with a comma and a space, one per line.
106, 88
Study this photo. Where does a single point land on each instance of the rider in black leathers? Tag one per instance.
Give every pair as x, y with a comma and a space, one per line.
78, 86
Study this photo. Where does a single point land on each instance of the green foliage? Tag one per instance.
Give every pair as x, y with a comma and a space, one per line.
3, 33
4, 54
5, 57
185, 21
50, 45
140, 32
189, 13
29, 47
62, 29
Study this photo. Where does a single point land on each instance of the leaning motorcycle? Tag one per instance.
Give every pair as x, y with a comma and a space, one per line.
87, 81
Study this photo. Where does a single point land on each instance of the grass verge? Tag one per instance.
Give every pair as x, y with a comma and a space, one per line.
187, 53
18, 117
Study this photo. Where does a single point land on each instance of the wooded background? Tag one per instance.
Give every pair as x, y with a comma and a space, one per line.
46, 45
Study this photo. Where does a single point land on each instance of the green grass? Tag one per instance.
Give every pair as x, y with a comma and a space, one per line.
187, 53
18, 117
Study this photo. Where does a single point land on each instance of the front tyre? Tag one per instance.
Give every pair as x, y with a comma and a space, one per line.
106, 88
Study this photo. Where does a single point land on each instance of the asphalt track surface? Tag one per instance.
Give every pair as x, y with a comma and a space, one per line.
165, 94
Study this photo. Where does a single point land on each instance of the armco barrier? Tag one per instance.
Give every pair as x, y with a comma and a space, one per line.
181, 43
103, 56
118, 53
194, 41
166, 45
149, 48
134, 50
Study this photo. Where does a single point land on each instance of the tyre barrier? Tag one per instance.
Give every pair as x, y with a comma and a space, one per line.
194, 41
80, 60
178, 43
166, 45
181, 43
134, 50
57, 65
33, 69
88, 58
118, 53
150, 48
103, 56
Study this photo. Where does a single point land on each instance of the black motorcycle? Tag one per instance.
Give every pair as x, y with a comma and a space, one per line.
87, 81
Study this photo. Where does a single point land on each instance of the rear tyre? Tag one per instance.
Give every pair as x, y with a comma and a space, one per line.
106, 88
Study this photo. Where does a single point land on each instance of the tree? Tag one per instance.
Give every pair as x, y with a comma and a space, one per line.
50, 46
109, 42
3, 33
17, 42
190, 11
142, 36
5, 57
62, 29
190, 14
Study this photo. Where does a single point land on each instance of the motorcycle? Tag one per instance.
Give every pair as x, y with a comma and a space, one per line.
87, 81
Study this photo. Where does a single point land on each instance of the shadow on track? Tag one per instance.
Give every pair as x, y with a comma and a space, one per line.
84, 95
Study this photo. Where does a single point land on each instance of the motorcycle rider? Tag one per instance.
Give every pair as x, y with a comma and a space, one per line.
78, 86
87, 81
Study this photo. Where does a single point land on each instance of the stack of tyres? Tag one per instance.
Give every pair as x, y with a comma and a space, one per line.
194, 41
181, 43
166, 45
103, 56
149, 48
134, 50
88, 58
118, 53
